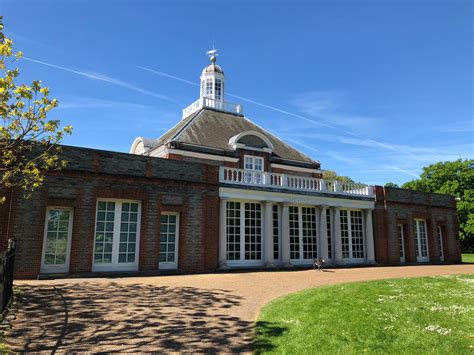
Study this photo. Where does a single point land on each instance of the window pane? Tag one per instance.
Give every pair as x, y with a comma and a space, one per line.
168, 237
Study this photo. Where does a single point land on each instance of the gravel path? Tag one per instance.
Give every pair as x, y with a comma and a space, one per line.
191, 313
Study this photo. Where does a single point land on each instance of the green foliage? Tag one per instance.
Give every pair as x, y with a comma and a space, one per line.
332, 175
429, 315
28, 139
454, 178
391, 184
468, 258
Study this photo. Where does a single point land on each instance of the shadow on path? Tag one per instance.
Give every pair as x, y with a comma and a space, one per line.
89, 316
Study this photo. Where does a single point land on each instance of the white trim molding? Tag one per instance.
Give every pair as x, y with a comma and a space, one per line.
257, 195
295, 168
234, 141
195, 155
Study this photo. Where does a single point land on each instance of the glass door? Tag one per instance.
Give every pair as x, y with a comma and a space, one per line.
117, 235
303, 235
168, 241
57, 240
421, 241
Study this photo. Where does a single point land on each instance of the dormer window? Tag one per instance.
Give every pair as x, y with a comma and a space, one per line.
253, 167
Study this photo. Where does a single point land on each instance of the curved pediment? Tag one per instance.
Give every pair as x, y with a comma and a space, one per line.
252, 140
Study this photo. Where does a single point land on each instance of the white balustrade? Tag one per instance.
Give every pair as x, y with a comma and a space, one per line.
291, 182
220, 105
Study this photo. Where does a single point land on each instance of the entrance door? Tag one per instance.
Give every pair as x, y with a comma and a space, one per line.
169, 227
421, 241
303, 235
57, 240
117, 235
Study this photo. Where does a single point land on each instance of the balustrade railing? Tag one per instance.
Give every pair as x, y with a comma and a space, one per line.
220, 105
291, 182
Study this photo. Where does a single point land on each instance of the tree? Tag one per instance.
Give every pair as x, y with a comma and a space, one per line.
29, 141
332, 175
392, 184
454, 178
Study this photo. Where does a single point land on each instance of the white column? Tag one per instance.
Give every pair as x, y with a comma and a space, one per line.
285, 235
268, 233
222, 234
369, 237
337, 236
323, 234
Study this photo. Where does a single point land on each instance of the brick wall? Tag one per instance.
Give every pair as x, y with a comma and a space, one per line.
399, 206
160, 185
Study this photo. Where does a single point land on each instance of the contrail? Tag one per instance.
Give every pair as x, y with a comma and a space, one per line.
405, 171
105, 78
276, 109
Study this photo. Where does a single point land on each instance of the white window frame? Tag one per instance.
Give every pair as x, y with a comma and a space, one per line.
301, 260
218, 89
242, 261
170, 265
253, 175
115, 265
63, 268
417, 229
209, 88
439, 230
351, 259
401, 241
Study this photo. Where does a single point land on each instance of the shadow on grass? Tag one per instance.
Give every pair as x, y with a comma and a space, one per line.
264, 331
103, 317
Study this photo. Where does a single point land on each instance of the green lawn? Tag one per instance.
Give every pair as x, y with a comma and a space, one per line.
467, 258
421, 315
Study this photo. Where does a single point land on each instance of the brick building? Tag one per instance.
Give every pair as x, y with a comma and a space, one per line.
216, 192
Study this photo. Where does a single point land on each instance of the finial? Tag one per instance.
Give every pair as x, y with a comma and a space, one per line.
212, 55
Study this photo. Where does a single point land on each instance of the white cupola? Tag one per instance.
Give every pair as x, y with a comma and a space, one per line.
212, 91
212, 79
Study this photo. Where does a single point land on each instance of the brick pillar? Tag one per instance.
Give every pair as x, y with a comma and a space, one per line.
433, 245
410, 246
222, 234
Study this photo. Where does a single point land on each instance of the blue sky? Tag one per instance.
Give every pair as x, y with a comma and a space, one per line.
373, 89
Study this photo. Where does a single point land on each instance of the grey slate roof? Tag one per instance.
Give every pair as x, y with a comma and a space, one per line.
213, 129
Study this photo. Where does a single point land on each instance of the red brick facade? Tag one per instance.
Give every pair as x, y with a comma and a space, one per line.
192, 190
398, 206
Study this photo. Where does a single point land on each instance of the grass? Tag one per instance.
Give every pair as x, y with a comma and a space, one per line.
420, 315
468, 258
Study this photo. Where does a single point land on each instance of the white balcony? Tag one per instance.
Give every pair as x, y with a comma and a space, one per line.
219, 105
292, 182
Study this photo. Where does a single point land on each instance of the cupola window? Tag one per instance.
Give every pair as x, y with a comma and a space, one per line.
218, 89
208, 92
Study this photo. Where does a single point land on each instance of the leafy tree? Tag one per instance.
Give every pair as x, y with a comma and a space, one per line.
392, 184
454, 178
332, 175
28, 139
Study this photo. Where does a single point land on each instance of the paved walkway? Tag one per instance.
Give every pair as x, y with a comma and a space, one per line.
192, 313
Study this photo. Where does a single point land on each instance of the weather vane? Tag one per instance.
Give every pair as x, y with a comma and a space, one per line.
212, 54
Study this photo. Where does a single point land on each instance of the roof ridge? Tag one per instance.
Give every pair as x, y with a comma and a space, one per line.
197, 114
